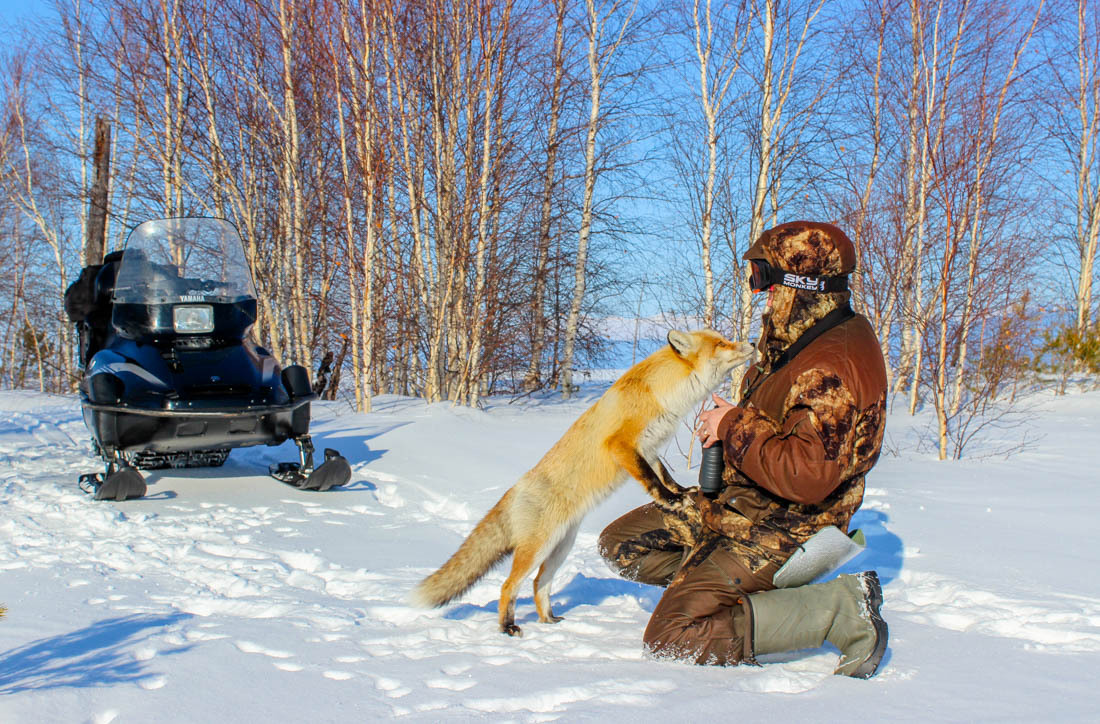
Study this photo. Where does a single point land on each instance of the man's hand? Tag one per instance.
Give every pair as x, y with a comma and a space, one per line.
709, 420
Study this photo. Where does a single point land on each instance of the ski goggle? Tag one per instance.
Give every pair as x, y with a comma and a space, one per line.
763, 276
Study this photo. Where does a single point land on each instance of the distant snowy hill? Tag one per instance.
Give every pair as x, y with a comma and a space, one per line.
644, 328
630, 339
226, 596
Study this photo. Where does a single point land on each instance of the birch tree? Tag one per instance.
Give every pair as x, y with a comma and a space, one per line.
970, 177
782, 32
604, 31
717, 68
936, 76
532, 380
1075, 121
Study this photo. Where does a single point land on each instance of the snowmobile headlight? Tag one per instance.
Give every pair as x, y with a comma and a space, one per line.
193, 319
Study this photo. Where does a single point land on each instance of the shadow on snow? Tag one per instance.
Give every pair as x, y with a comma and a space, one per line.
252, 461
884, 552
580, 591
97, 655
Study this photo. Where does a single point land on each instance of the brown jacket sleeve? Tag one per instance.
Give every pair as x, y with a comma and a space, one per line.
796, 458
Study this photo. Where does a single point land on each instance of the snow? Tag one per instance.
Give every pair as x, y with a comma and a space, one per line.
225, 595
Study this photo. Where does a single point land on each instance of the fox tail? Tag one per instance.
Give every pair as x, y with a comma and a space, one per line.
483, 548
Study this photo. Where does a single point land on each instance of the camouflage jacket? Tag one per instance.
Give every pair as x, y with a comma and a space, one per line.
798, 450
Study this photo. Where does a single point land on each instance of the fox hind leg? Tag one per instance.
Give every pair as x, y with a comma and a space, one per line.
546, 574
524, 559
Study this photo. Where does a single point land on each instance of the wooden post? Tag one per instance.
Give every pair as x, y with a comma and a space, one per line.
97, 197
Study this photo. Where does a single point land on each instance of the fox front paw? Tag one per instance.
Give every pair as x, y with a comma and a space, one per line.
551, 619
511, 629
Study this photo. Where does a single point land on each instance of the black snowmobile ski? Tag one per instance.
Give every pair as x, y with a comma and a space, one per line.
332, 473
120, 482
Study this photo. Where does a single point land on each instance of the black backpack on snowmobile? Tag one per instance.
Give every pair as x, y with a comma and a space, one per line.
172, 376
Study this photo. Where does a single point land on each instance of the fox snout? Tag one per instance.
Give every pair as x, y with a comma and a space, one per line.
744, 351
733, 354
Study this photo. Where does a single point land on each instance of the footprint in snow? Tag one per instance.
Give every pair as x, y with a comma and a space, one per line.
156, 682
391, 687
957, 606
146, 653
450, 684
249, 647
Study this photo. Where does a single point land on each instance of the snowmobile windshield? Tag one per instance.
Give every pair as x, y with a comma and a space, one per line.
185, 260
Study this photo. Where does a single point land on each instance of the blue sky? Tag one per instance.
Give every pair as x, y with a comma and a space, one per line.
664, 218
15, 13
18, 9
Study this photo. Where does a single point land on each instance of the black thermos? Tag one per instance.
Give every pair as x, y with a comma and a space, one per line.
710, 470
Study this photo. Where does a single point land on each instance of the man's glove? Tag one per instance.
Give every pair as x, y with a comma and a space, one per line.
717, 517
691, 516
682, 517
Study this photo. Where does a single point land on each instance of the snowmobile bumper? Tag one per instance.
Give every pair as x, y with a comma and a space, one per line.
187, 425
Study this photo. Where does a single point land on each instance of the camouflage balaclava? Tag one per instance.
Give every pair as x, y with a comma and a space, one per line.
801, 247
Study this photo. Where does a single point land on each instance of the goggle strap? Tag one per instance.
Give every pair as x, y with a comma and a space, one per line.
815, 284
765, 275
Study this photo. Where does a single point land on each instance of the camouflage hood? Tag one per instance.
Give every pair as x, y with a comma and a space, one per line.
802, 247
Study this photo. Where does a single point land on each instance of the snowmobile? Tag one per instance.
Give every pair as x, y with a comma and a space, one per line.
172, 376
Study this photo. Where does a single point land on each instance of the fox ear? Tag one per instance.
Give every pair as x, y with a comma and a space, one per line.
682, 343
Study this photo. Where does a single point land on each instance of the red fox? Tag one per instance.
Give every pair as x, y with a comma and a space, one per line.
620, 435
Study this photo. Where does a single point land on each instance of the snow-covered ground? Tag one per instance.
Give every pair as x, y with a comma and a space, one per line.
225, 596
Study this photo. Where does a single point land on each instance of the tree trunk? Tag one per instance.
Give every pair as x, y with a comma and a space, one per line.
595, 77
97, 199
1087, 104
532, 379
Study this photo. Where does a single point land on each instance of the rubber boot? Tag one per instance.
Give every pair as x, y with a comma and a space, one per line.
844, 612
